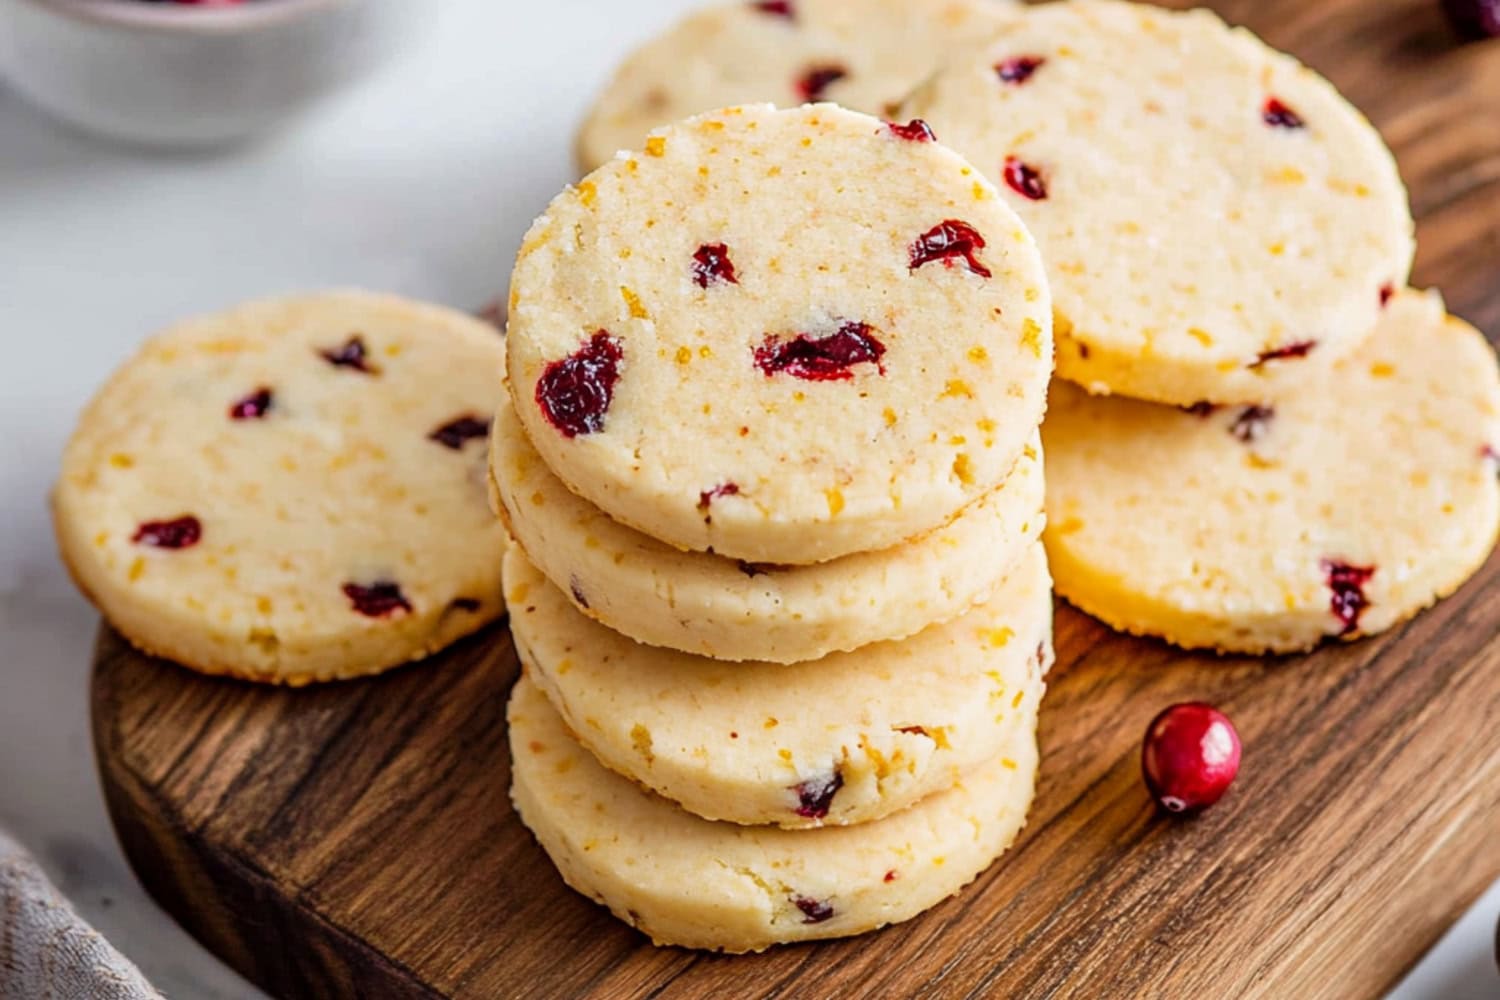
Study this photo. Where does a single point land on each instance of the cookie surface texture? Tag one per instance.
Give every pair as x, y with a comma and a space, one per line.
292, 490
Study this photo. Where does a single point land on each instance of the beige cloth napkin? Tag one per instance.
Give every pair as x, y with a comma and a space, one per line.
47, 952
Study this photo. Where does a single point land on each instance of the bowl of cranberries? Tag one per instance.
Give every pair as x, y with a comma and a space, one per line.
193, 73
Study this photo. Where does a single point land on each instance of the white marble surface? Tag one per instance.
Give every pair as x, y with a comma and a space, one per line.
421, 181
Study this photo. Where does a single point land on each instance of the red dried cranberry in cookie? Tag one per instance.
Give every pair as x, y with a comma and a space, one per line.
178, 533
814, 911
1387, 292
253, 406
1018, 69
816, 81
455, 433
1252, 423
946, 241
712, 266
351, 354
815, 796
1278, 115
1025, 179
1348, 585
377, 600
574, 394
707, 497
1201, 409
821, 359
776, 8
915, 130
1299, 349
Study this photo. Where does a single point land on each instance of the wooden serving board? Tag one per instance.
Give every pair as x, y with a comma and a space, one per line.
357, 840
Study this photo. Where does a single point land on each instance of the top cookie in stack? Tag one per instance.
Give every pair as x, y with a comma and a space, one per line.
775, 385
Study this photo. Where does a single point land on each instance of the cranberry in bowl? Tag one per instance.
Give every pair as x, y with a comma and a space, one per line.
193, 73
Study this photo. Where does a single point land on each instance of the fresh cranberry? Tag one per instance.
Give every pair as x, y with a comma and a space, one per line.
1018, 69
575, 393
1278, 115
456, 432
253, 406
945, 241
1347, 583
915, 130
1299, 349
178, 533
816, 81
1024, 179
1201, 409
712, 266
814, 911
815, 796
1190, 756
1474, 19
351, 354
707, 497
821, 359
1252, 423
776, 8
377, 600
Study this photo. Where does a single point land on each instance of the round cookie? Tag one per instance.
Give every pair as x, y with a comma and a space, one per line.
733, 610
1218, 223
863, 54
783, 336
842, 740
1342, 511
688, 881
292, 490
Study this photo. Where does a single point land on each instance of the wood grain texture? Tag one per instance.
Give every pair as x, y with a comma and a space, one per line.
358, 841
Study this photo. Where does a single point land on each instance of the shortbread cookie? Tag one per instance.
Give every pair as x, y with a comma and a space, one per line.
734, 610
863, 54
1218, 223
846, 739
1339, 512
688, 881
784, 336
293, 490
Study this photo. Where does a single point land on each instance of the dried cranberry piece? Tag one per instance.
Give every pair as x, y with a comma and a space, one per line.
1387, 292
351, 354
574, 394
945, 241
712, 266
178, 533
821, 359
1348, 585
576, 589
1201, 409
253, 406
816, 81
814, 911
1298, 349
1278, 115
1474, 19
470, 604
707, 497
1025, 179
1018, 69
816, 794
752, 570
1252, 423
915, 130
455, 433
377, 600
776, 8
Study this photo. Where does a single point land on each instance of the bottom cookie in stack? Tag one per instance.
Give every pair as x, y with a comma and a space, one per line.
688, 881
1340, 512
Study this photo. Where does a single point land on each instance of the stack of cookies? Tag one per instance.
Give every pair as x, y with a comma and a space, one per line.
772, 471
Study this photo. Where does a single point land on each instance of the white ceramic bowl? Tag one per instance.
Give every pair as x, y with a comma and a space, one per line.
169, 74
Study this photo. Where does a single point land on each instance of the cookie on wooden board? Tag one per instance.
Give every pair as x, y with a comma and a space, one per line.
1218, 223
1342, 511
862, 54
735, 610
846, 739
688, 881
783, 336
292, 490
